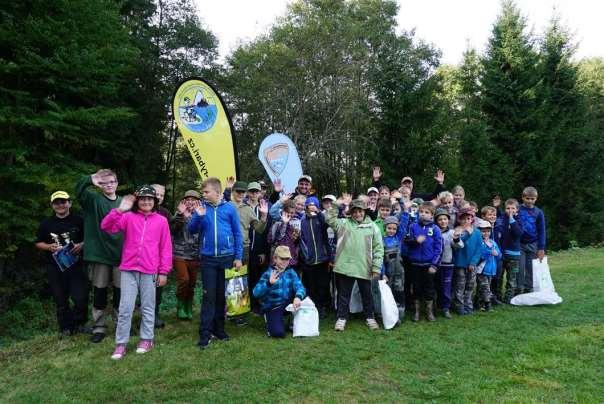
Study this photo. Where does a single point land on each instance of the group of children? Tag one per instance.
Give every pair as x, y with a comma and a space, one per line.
431, 248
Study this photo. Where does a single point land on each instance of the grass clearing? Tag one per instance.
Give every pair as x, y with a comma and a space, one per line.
522, 354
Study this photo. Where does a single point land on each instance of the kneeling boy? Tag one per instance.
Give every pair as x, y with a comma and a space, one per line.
275, 290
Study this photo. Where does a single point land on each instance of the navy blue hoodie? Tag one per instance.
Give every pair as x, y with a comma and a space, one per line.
533, 223
508, 233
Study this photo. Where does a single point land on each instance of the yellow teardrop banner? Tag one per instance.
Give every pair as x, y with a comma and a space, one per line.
206, 127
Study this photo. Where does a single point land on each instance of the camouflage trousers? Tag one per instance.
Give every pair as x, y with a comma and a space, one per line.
511, 265
484, 288
465, 282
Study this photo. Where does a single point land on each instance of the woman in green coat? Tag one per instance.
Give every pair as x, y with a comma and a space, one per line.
359, 256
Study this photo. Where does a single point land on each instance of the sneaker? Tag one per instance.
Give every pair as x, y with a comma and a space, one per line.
461, 312
322, 313
488, 307
446, 314
119, 352
97, 337
144, 346
372, 324
221, 336
468, 311
340, 325
203, 343
240, 321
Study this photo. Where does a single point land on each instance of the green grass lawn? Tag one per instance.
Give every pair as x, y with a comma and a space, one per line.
521, 354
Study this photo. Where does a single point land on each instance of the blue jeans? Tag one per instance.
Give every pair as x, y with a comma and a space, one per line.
211, 317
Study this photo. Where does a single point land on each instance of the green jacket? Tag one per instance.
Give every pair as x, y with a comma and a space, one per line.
99, 246
247, 218
379, 222
360, 250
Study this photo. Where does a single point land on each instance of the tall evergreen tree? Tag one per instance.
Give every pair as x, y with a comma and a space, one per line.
508, 93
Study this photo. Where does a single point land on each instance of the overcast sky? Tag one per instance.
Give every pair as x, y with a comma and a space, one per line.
450, 25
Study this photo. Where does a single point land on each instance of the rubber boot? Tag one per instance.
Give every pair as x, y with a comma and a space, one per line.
189, 308
417, 304
430, 310
181, 310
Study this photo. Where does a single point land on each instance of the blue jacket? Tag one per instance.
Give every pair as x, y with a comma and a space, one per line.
314, 244
281, 292
219, 231
469, 254
533, 223
508, 233
429, 251
490, 261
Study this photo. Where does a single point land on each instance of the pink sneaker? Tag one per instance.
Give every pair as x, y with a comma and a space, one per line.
144, 346
120, 351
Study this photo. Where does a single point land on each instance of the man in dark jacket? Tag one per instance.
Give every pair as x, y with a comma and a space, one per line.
304, 188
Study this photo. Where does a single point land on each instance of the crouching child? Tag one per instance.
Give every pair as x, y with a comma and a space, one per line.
277, 286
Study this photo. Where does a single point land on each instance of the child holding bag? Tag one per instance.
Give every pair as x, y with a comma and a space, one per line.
145, 264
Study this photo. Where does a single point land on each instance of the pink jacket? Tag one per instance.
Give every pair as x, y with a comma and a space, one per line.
147, 243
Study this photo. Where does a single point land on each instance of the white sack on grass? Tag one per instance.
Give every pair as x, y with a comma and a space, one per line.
306, 319
389, 308
356, 302
543, 288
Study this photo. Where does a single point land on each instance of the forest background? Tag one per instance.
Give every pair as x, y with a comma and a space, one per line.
89, 86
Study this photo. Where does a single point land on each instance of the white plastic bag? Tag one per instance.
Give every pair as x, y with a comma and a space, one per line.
543, 288
536, 298
306, 319
542, 279
356, 302
389, 308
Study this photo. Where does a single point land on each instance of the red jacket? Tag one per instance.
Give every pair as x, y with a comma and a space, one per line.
147, 243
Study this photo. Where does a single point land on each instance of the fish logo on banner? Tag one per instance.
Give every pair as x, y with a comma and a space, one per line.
280, 159
204, 123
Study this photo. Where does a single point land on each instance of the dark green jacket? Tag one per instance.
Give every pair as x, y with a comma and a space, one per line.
99, 246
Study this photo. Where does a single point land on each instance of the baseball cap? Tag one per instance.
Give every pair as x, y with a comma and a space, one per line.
253, 186
193, 194
240, 186
407, 179
483, 224
311, 201
283, 252
372, 189
305, 177
465, 211
59, 195
330, 197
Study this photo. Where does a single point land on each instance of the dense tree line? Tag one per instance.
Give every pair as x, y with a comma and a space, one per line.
89, 85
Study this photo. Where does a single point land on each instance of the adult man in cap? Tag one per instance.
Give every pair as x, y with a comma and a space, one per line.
408, 183
257, 241
304, 188
185, 252
372, 198
103, 250
65, 230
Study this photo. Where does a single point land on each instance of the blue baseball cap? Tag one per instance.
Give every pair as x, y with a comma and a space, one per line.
312, 201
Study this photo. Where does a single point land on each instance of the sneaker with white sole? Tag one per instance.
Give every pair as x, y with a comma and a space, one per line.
340, 325
119, 352
144, 346
372, 324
